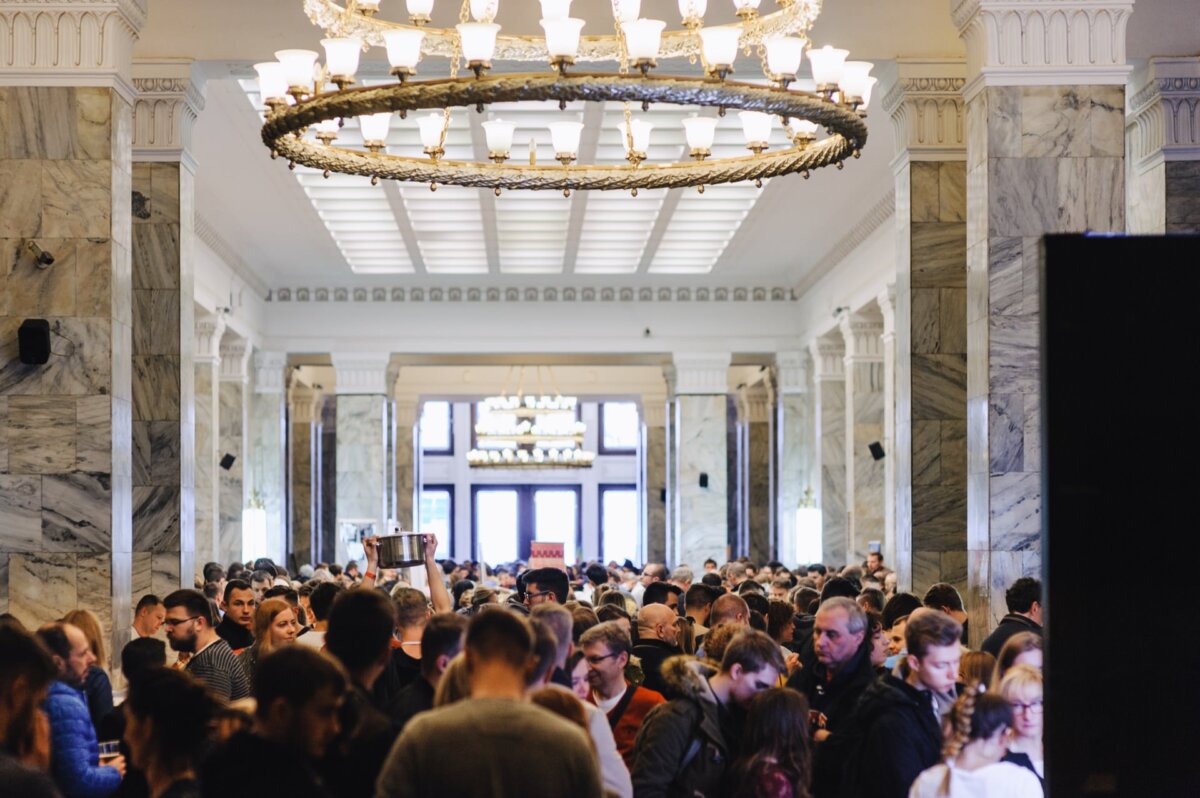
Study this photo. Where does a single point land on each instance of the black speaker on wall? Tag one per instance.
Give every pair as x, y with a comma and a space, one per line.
704, 480
33, 342
227, 461
876, 450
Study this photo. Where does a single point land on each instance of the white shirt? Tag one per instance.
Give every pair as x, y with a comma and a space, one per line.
1001, 780
613, 773
607, 704
312, 638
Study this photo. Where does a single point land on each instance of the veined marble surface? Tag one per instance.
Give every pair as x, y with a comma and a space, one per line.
864, 397
796, 446
361, 481
206, 479
656, 484
267, 473
831, 453
405, 473
701, 448
758, 502
232, 498
301, 446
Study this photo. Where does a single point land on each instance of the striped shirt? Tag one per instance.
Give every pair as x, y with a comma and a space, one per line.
218, 667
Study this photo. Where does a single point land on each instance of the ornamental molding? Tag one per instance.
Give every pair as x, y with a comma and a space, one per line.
828, 354
756, 403
1043, 42
269, 369
701, 373
209, 329
887, 307
170, 98
1163, 122
872, 220
365, 374
304, 404
863, 337
654, 410
791, 370
235, 358
530, 294
927, 109
69, 42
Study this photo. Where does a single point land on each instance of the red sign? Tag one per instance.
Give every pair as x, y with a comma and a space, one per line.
547, 555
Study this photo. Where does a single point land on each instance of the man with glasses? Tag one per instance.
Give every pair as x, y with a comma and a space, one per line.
607, 647
686, 744
544, 585
190, 630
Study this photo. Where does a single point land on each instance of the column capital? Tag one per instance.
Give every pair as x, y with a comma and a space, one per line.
1164, 113
362, 373
754, 403
862, 333
209, 329
408, 409
828, 354
1043, 42
235, 359
701, 373
791, 369
925, 103
268, 372
887, 307
654, 409
76, 43
170, 95
305, 403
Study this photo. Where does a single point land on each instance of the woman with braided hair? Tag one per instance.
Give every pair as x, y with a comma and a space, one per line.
978, 730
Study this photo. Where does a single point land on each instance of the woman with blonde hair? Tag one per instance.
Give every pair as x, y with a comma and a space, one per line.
1021, 687
275, 625
96, 685
979, 727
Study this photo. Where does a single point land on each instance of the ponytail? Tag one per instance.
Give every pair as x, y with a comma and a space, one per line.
976, 715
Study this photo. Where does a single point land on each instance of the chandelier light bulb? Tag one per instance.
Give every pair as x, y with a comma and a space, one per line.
478, 41
298, 68
565, 136
692, 10
419, 10
720, 47
403, 48
700, 131
499, 137
756, 127
783, 56
627, 10
430, 126
341, 58
642, 39
484, 10
827, 64
374, 128
272, 82
556, 9
866, 95
639, 130
562, 37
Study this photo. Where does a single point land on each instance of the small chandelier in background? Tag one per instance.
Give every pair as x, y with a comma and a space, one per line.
302, 95
528, 431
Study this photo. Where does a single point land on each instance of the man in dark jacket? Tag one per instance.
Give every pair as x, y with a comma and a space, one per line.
895, 732
833, 679
237, 627
658, 641
685, 746
1024, 600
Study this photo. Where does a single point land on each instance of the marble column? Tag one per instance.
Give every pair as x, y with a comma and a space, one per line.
303, 403
755, 414
1163, 147
1045, 154
926, 106
207, 358
828, 354
361, 467
795, 443
66, 461
267, 453
232, 427
404, 411
862, 331
887, 308
699, 382
164, 436
654, 416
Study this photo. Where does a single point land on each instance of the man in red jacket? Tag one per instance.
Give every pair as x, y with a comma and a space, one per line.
606, 648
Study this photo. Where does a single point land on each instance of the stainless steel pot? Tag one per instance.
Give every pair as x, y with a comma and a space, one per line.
401, 551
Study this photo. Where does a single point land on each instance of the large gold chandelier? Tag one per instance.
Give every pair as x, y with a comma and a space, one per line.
530, 430
303, 96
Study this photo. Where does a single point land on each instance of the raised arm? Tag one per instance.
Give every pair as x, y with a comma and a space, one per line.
371, 547
438, 595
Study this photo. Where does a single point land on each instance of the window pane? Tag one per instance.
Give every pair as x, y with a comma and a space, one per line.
435, 426
436, 508
496, 525
555, 518
621, 428
619, 512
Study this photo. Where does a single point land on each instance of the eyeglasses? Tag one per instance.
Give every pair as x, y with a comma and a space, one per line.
173, 622
532, 596
1033, 706
597, 660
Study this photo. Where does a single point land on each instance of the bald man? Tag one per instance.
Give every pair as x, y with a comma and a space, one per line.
658, 639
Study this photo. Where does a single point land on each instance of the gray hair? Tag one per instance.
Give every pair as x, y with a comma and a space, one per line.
682, 574
611, 635
856, 618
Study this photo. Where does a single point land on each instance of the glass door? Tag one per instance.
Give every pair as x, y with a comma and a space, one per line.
556, 518
497, 524
508, 518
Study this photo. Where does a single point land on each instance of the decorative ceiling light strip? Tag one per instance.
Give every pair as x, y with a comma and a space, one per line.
298, 96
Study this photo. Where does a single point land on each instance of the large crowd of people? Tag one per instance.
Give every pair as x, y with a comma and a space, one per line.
740, 679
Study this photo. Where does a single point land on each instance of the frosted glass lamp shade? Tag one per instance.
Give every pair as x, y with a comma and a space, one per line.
327, 129
827, 64
853, 80
374, 127
478, 40
692, 9
499, 136
784, 54
720, 46
562, 36
430, 126
802, 128
699, 131
403, 47
341, 56
272, 81
556, 9
484, 10
756, 127
643, 37
640, 132
866, 95
419, 9
565, 136
298, 67
627, 10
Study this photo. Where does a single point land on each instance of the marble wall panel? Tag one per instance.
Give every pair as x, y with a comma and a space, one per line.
206, 481
21, 513
702, 448
361, 481
1182, 206
42, 587
864, 395
405, 474
140, 576
656, 491
267, 461
231, 420
795, 446
758, 500
831, 429
301, 448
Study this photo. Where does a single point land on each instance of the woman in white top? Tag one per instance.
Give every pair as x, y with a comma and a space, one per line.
980, 725
1021, 687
